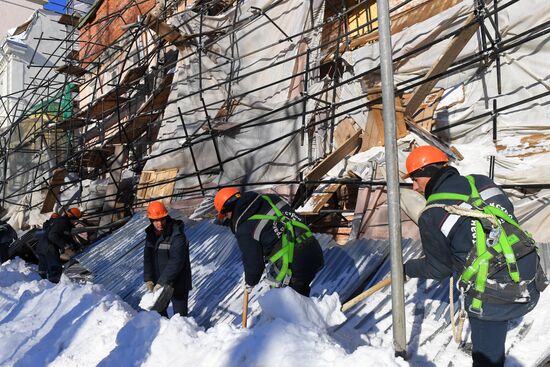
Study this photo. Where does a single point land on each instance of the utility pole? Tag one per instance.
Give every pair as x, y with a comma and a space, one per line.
392, 172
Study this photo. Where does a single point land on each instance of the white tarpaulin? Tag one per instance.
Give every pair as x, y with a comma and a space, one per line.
199, 92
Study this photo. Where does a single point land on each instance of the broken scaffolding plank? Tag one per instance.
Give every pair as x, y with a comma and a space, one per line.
72, 123
318, 199
450, 54
105, 105
70, 20
96, 158
147, 113
424, 116
326, 164
73, 70
165, 31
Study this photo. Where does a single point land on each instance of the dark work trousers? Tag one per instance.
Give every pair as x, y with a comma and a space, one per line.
179, 304
4, 252
49, 267
301, 285
488, 339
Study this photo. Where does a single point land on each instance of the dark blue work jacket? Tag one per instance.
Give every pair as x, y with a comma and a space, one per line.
447, 240
166, 257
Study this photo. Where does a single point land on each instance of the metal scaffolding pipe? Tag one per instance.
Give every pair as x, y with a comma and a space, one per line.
392, 172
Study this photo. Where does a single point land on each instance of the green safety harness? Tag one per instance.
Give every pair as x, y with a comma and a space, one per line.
288, 239
499, 241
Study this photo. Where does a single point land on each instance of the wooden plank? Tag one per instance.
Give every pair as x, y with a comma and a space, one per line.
318, 199
373, 133
70, 20
452, 51
72, 123
147, 178
326, 164
345, 130
53, 190
226, 111
165, 31
133, 75
425, 115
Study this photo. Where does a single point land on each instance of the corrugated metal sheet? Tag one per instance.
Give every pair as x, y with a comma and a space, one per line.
117, 263
429, 299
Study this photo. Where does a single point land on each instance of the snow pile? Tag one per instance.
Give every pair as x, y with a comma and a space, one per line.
83, 325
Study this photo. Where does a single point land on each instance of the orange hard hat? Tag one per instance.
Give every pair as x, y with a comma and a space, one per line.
54, 215
74, 212
223, 196
156, 210
423, 156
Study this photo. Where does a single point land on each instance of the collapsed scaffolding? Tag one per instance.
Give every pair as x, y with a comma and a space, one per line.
149, 102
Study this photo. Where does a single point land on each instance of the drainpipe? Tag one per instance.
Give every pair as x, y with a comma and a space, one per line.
392, 171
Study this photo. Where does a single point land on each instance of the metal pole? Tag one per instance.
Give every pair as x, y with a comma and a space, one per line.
394, 218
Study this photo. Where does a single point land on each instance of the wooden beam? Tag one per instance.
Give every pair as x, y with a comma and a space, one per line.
330, 161
53, 190
147, 113
373, 133
454, 48
165, 31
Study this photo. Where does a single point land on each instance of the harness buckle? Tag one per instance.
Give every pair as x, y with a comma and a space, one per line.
475, 311
493, 237
271, 273
463, 286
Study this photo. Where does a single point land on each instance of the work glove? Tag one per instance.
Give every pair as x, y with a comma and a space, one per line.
248, 288
157, 287
68, 253
149, 285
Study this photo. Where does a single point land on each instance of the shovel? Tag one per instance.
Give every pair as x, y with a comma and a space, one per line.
164, 299
375, 288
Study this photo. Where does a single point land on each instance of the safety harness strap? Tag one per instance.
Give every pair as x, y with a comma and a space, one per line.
288, 238
493, 244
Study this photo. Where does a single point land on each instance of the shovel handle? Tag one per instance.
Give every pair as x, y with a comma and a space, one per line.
375, 288
245, 307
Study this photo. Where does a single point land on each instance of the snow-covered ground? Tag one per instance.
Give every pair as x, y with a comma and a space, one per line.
83, 325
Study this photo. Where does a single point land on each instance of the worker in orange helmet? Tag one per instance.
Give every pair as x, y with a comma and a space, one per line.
166, 257
466, 230
272, 238
57, 244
